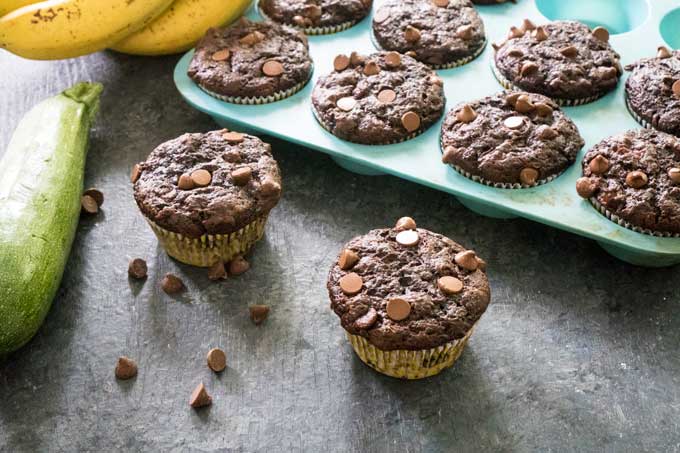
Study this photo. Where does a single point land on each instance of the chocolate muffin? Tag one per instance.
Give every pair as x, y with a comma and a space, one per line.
492, 2
376, 100
251, 62
634, 179
408, 298
207, 196
510, 140
316, 17
441, 33
563, 60
653, 91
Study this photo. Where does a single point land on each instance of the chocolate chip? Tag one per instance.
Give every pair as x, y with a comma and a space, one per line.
252, 38
88, 205
467, 259
126, 368
221, 55
464, 32
135, 173
636, 179
436, 80
523, 104
392, 59
528, 176
405, 223
449, 285
346, 103
381, 15
355, 59
607, 72
201, 177
441, 3
543, 109
540, 34
367, 320
513, 122
663, 52
511, 99
674, 174
258, 313
341, 62
200, 397
233, 137
185, 182
172, 284
312, 11
410, 121
351, 283
217, 271
528, 68
387, 96
676, 88
585, 187
411, 34
241, 175
371, 68
96, 194
348, 258
272, 68
466, 114
238, 265
547, 133
301, 21
137, 269
270, 188
569, 51
601, 33
515, 33
408, 238
515, 52
449, 155
599, 165
398, 309
527, 25
217, 360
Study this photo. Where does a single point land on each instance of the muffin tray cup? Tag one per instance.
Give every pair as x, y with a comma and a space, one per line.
637, 28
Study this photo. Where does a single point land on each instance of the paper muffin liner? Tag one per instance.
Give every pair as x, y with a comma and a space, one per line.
505, 83
621, 222
407, 364
327, 30
499, 185
210, 248
257, 100
643, 122
450, 65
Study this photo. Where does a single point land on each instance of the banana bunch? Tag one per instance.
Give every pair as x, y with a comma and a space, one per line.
56, 29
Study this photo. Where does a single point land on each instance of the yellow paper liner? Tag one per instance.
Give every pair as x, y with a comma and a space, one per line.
208, 249
406, 364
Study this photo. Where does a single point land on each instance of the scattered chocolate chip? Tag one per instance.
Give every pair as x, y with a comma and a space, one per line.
351, 283
387, 96
636, 179
217, 271
137, 269
528, 68
232, 157
252, 38
674, 174
341, 62
217, 360
238, 265
408, 238
607, 72
436, 80
410, 121
201, 177
411, 34
513, 122
481, 264
200, 397
233, 137
367, 320
524, 104
676, 88
449, 285
269, 187
543, 109
547, 133
371, 68
540, 34
221, 55
515, 52
441, 3
392, 59
88, 205
381, 15
464, 31
528, 176
569, 51
272, 68
405, 223
241, 175
601, 33
185, 182
398, 309
348, 258
511, 99
663, 52
346, 103
258, 313
135, 173
585, 187
126, 368
527, 25
96, 194
515, 33
449, 155
301, 21
172, 284
356, 59
467, 259
312, 11
599, 164
466, 114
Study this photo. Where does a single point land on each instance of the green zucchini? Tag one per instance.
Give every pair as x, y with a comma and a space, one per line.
41, 182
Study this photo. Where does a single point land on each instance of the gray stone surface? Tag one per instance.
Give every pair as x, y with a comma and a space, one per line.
578, 351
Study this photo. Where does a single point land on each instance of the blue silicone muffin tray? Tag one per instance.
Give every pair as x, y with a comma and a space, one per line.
637, 28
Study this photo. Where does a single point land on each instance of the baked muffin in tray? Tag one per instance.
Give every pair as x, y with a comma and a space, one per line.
316, 17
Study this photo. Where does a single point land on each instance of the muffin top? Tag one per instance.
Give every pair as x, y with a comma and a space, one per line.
510, 137
214, 183
251, 59
401, 295
491, 2
383, 98
636, 176
562, 60
653, 90
434, 32
315, 13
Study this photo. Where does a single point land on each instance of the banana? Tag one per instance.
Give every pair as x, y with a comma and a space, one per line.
181, 26
7, 6
56, 29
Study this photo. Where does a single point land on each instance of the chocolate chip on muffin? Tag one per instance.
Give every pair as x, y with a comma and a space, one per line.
318, 17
